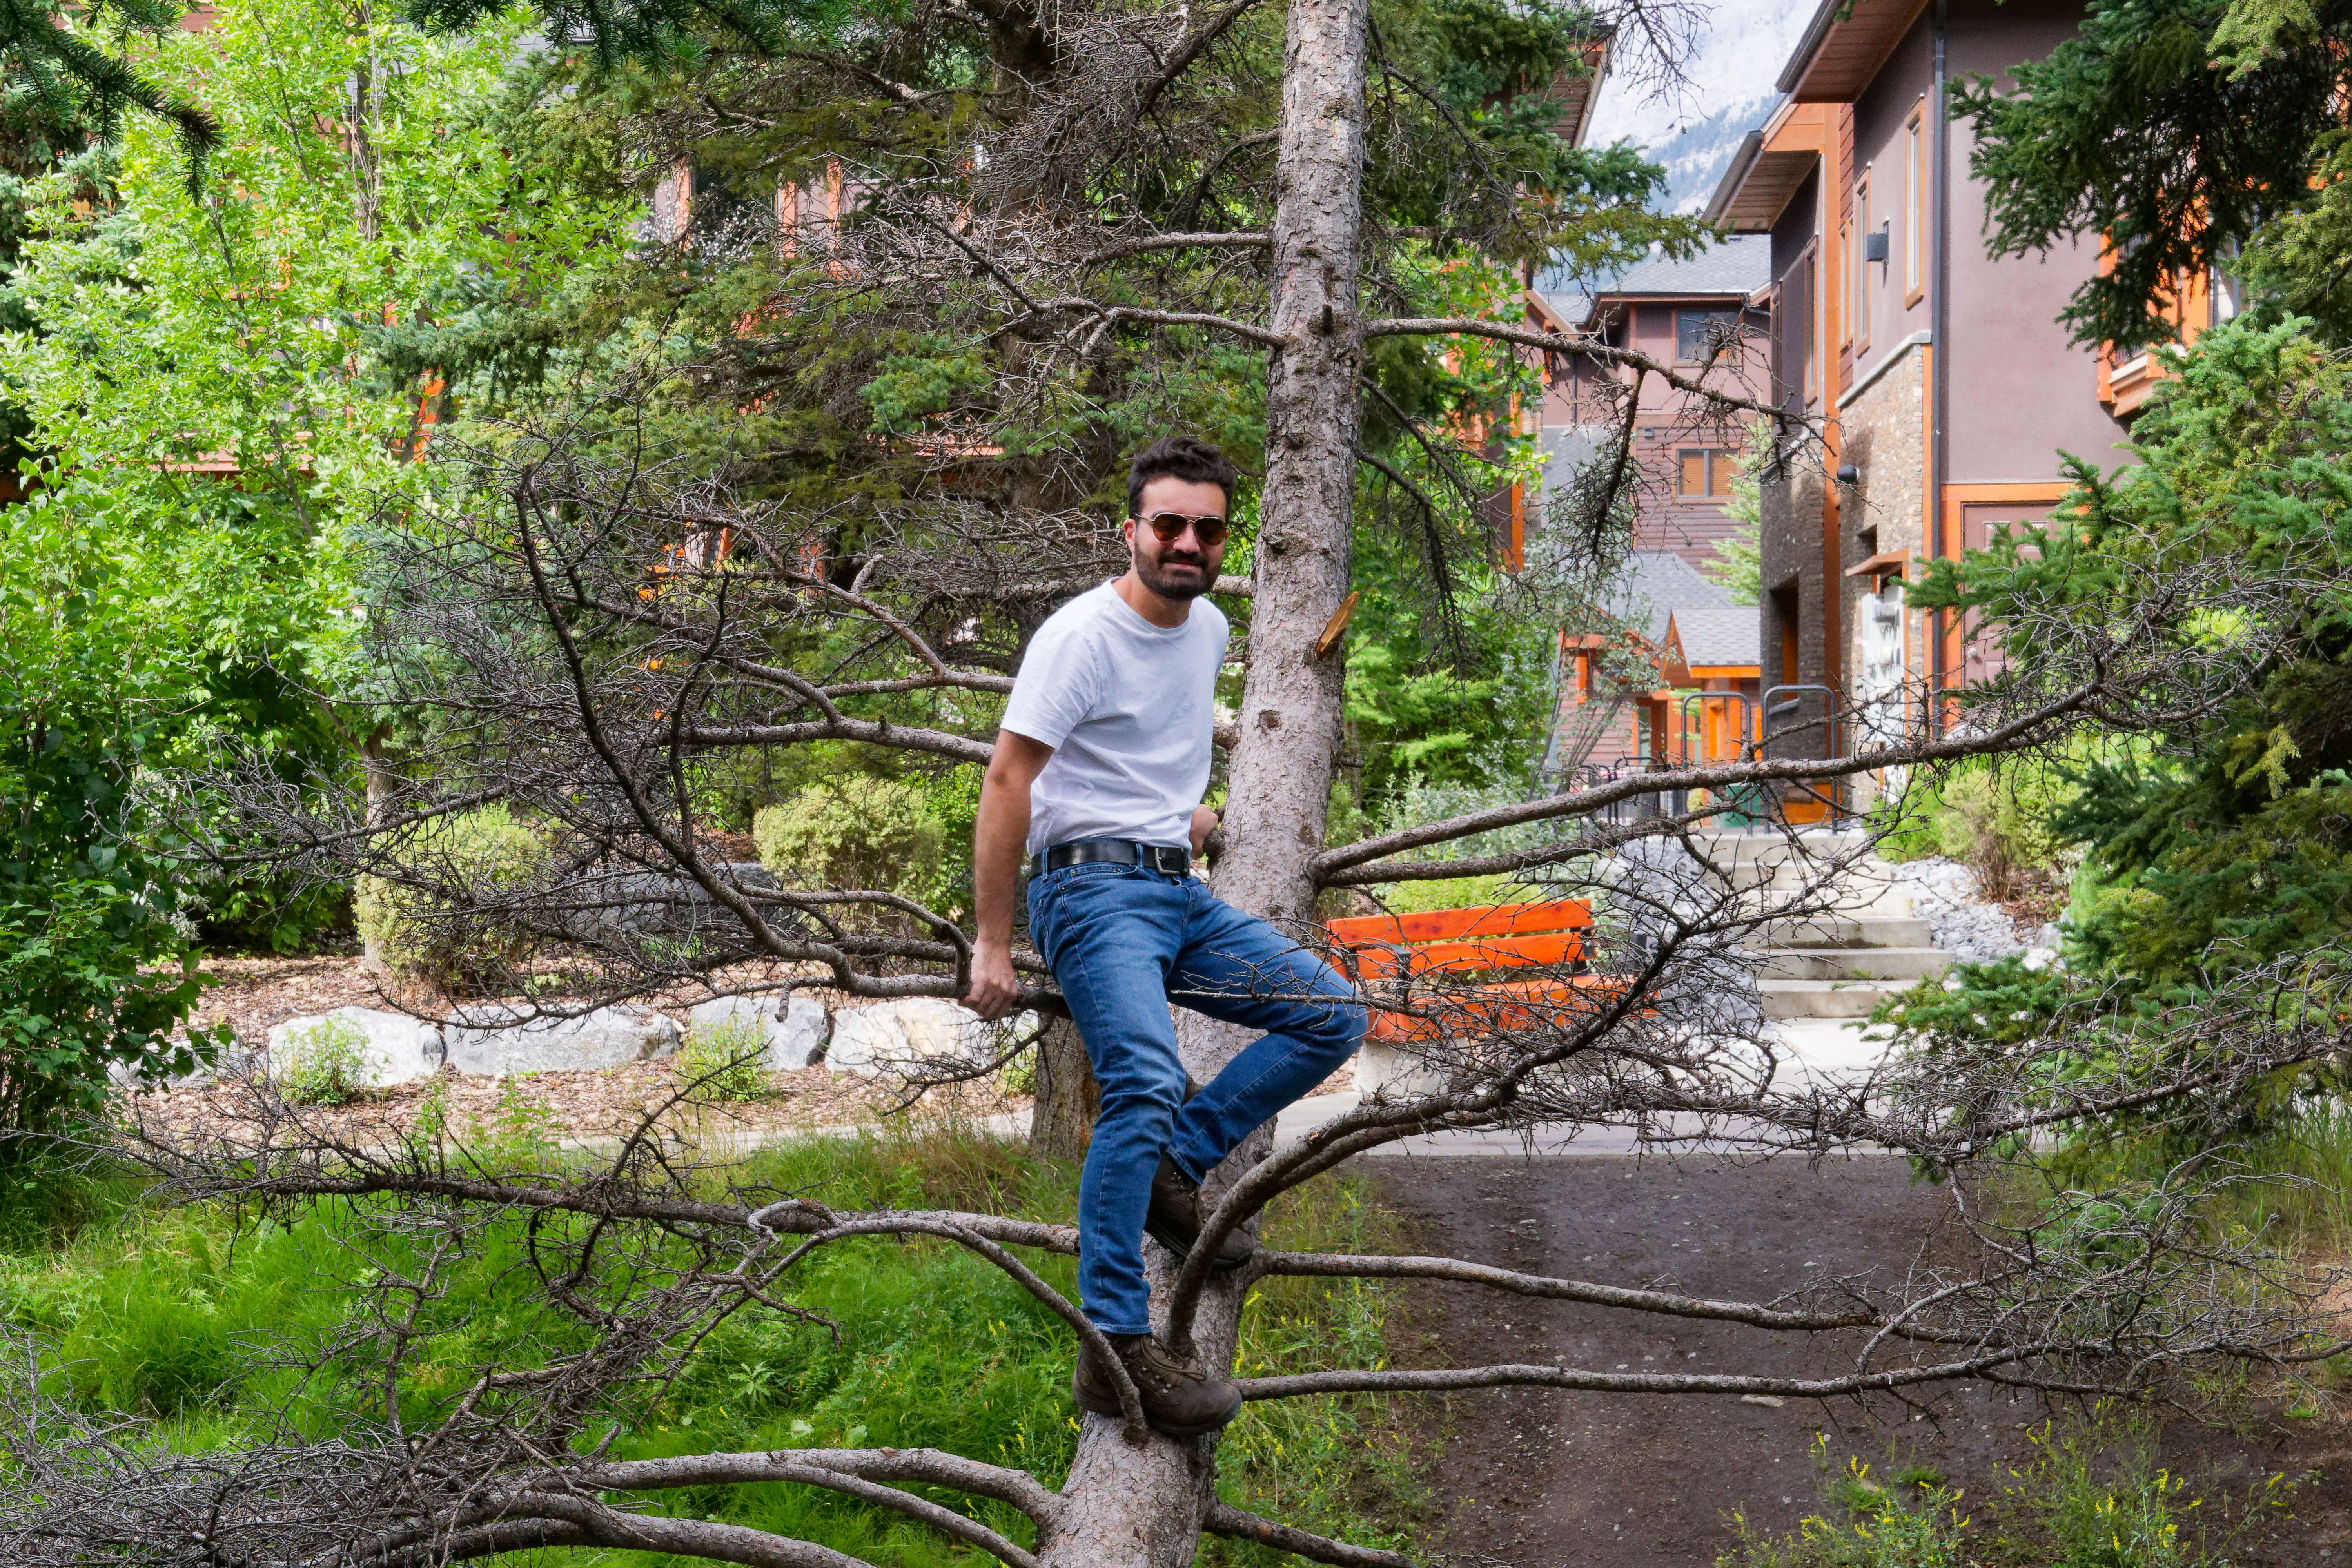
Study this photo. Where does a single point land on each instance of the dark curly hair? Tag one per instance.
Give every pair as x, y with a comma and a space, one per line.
1179, 457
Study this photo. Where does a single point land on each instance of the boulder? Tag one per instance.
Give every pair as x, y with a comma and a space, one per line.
1380, 1067
914, 1032
498, 1040
398, 1049
795, 1040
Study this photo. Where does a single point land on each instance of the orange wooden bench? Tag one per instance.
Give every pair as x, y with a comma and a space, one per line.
1484, 937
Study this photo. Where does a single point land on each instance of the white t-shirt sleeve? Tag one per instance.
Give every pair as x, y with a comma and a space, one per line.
1059, 684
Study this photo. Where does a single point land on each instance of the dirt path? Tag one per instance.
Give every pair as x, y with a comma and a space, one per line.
1552, 1479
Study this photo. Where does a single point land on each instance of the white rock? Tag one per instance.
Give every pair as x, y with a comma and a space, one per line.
796, 1040
894, 1037
2040, 957
495, 1040
1381, 1066
398, 1047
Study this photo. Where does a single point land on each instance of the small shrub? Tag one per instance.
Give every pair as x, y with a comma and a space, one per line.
728, 1060
1997, 821
1906, 827
326, 1063
426, 932
1454, 893
521, 1129
857, 832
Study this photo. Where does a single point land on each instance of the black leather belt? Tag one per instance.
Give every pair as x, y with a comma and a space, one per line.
1158, 857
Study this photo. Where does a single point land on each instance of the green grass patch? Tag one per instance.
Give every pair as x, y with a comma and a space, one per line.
158, 1311
2091, 1496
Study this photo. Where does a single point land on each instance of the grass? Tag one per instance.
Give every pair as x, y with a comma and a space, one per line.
156, 1312
2092, 1496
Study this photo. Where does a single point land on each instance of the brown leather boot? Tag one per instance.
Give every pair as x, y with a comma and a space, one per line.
1173, 1220
1178, 1400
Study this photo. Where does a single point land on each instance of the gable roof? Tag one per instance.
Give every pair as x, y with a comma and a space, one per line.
1732, 268
1739, 265
1670, 600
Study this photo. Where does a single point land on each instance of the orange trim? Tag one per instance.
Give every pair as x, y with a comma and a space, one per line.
1727, 671
1478, 920
1957, 499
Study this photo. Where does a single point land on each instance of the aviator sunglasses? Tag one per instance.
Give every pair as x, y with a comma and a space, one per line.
1169, 526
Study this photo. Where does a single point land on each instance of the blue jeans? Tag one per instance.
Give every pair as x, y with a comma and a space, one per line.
1124, 941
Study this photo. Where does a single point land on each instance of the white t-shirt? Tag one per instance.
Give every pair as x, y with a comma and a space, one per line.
1129, 709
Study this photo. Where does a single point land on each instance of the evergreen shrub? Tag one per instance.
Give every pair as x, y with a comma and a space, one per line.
859, 831
421, 934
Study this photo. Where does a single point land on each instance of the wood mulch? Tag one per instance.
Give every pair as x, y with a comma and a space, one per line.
251, 994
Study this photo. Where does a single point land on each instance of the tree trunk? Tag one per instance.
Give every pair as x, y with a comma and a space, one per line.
1142, 1507
1066, 1096
375, 766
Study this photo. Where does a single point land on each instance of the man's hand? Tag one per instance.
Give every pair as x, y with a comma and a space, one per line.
994, 987
1204, 822
996, 843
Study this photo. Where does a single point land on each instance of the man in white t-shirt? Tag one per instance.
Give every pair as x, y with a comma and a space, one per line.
1098, 774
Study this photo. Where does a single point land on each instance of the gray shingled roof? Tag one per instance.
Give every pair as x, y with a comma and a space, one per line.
1739, 265
1660, 587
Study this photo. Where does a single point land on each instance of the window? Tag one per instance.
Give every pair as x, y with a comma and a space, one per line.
1706, 473
1843, 268
1702, 335
1914, 199
1858, 324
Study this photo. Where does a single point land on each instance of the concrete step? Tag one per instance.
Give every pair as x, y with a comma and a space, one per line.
1903, 964
1844, 930
1825, 999
1763, 848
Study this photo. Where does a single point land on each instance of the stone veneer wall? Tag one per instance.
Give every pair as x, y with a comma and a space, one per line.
1882, 434
1789, 538
1885, 431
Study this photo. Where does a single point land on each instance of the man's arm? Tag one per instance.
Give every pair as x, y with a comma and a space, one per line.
998, 839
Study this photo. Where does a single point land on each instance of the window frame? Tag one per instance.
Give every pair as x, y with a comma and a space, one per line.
1683, 456
1729, 354
1914, 205
1845, 266
1859, 228
1716, 465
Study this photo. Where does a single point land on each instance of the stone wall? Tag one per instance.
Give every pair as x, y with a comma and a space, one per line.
1884, 434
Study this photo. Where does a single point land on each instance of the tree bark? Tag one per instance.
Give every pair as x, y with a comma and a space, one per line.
1144, 1506
1066, 1096
375, 764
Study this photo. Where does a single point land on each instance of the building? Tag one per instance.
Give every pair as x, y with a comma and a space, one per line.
1944, 386
1677, 681
1702, 315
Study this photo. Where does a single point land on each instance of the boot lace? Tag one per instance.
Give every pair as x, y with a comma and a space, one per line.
1150, 1362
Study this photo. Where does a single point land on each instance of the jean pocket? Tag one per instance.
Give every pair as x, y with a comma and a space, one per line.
1045, 895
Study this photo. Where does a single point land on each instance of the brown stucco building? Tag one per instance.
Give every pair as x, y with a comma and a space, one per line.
1702, 314
1945, 387
1677, 679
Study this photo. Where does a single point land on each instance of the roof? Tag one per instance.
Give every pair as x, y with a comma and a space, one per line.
1581, 93
1734, 268
1661, 591
1771, 164
1739, 265
1844, 46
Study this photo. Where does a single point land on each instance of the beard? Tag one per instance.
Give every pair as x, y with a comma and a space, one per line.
1178, 584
